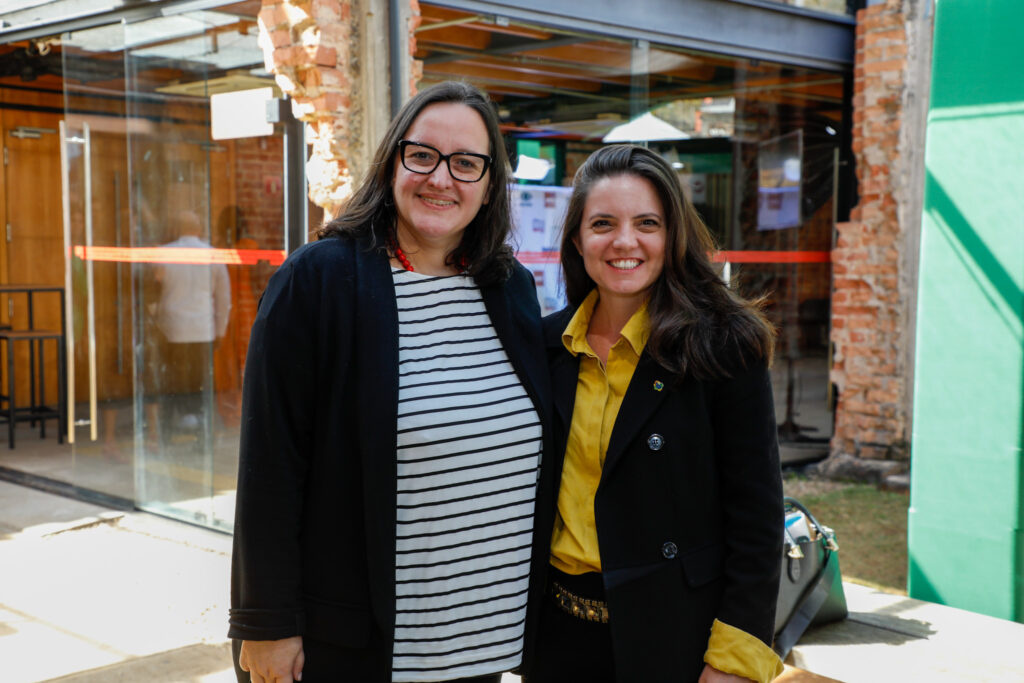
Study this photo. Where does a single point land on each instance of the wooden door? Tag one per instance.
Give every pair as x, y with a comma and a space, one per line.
33, 241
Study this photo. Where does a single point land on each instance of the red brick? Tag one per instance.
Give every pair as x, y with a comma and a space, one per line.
325, 56
292, 55
333, 78
326, 11
892, 36
897, 50
272, 16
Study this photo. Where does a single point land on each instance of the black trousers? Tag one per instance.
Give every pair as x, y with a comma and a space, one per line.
569, 648
329, 663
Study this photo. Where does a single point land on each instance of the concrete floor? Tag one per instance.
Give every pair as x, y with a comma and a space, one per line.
98, 595
93, 595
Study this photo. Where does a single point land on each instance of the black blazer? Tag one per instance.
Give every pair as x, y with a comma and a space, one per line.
315, 520
688, 510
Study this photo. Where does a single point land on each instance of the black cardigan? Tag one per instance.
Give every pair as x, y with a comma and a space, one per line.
689, 526
314, 543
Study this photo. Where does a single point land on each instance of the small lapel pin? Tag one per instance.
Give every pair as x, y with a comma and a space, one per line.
658, 385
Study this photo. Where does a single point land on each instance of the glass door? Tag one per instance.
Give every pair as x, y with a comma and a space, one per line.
170, 236
98, 303
207, 226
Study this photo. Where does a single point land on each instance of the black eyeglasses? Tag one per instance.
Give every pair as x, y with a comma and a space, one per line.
465, 167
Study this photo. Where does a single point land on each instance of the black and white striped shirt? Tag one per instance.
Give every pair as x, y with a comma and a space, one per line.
469, 443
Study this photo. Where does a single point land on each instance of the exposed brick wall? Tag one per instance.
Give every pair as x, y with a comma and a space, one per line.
869, 316
309, 46
258, 183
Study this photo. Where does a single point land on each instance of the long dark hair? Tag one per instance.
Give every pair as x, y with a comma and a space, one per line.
371, 215
697, 322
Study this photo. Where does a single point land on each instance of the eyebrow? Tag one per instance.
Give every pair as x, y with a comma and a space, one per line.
639, 215
434, 147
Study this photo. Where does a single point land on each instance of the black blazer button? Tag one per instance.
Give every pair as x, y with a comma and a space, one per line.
655, 442
669, 550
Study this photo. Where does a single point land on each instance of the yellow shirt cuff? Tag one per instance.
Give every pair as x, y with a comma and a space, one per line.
736, 652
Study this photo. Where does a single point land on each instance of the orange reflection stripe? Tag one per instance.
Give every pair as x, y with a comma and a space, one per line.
773, 256
189, 255
538, 256
720, 257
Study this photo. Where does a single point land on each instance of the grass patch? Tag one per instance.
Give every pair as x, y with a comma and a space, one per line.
871, 528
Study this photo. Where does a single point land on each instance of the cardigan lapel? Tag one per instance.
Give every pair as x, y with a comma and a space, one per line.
565, 370
376, 390
647, 388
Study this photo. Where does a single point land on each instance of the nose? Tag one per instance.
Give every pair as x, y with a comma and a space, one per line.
441, 177
625, 237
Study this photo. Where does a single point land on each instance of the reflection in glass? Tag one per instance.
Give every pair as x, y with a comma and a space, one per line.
171, 237
754, 144
211, 212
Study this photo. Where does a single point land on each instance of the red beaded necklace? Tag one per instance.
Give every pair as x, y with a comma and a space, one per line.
400, 255
404, 260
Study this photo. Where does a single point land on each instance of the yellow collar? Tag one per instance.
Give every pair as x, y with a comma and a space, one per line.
636, 331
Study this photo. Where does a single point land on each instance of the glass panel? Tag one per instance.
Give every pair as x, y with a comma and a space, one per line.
100, 364
754, 144
208, 218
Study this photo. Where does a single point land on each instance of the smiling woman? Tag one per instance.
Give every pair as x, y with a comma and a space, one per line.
622, 242
670, 490
395, 397
433, 203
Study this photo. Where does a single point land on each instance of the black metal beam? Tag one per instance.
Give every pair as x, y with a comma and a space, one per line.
755, 29
296, 221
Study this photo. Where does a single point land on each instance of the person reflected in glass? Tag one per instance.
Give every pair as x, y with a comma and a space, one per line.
192, 314
394, 394
667, 533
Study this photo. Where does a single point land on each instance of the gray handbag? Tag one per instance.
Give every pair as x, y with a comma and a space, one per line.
811, 586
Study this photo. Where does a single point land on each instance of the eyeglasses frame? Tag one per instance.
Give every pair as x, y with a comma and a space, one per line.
446, 158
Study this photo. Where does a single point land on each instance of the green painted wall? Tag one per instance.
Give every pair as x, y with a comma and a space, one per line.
965, 541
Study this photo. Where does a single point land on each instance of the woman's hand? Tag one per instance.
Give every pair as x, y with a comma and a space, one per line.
273, 661
712, 675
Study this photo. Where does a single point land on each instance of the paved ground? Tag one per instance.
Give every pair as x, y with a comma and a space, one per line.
87, 594
90, 595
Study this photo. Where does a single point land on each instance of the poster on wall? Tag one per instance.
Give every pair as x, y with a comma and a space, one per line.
779, 162
537, 214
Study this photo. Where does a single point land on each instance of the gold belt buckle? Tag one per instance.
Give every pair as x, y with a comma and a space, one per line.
581, 608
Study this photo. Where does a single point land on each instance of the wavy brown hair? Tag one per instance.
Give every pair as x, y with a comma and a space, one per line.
371, 215
698, 324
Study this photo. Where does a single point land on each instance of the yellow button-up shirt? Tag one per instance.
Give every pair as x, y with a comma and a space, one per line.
599, 392
600, 389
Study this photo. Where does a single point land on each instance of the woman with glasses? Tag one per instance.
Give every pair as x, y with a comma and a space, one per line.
395, 389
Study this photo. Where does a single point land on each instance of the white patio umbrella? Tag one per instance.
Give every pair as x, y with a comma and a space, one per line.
647, 127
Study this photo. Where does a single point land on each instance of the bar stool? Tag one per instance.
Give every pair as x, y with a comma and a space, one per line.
34, 410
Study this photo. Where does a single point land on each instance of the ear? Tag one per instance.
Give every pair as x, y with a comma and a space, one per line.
576, 242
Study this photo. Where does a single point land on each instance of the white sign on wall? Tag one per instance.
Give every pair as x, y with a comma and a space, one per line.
240, 114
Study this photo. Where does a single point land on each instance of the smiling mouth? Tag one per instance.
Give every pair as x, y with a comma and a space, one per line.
442, 203
625, 263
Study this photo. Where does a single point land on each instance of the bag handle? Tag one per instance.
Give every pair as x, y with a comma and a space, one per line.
825, 532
